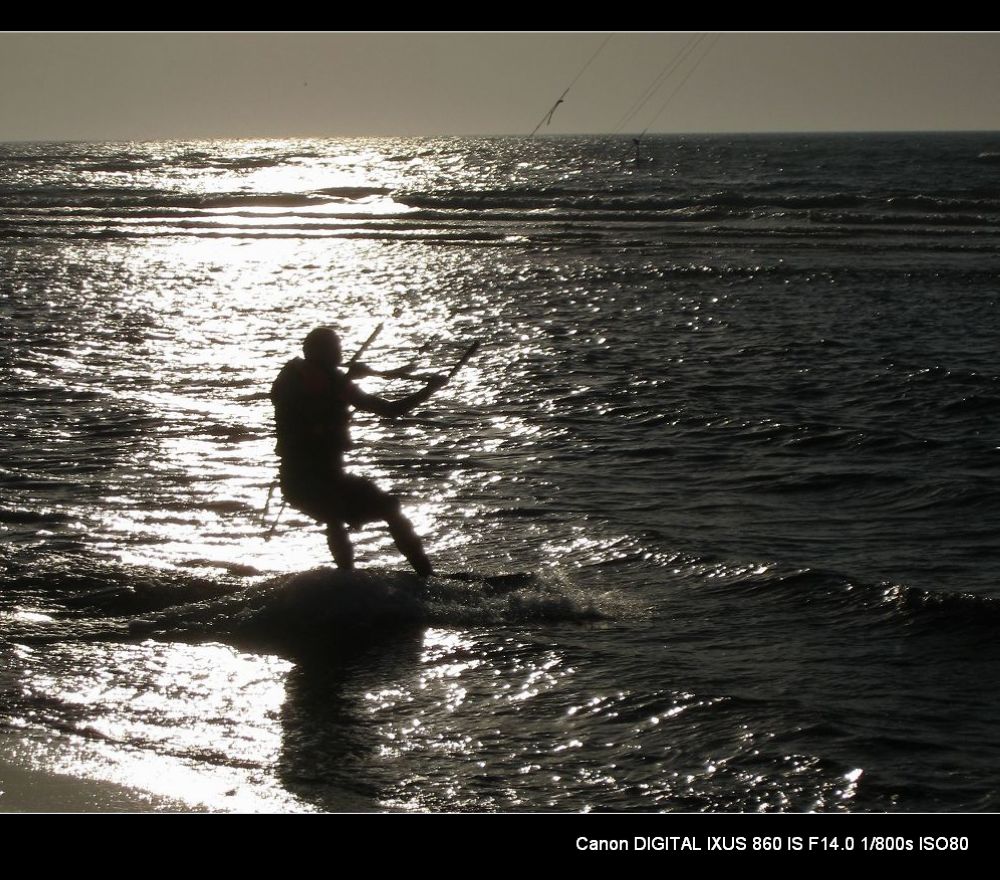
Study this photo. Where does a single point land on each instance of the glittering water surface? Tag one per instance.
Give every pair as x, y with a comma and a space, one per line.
735, 415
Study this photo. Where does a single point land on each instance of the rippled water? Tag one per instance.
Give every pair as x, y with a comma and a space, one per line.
735, 414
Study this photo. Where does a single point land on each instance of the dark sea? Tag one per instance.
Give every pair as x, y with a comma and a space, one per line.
724, 475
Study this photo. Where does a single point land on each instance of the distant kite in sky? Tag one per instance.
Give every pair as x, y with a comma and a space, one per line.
547, 118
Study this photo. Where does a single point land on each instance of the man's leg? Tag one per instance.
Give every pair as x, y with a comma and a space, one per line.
340, 545
408, 543
307, 486
368, 503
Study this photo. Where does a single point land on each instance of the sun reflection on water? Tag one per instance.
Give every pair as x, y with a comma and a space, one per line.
236, 317
201, 721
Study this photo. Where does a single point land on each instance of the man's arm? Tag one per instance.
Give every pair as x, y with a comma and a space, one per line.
392, 408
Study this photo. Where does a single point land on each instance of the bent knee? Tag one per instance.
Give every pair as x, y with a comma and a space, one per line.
393, 508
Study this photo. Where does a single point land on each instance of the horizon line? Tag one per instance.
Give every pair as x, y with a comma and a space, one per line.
508, 136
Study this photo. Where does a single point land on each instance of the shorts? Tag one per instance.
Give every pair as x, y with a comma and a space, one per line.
336, 497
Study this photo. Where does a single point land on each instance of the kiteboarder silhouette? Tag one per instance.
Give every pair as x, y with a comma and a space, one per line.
313, 398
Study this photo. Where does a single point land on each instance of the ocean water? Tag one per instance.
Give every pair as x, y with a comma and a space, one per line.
734, 425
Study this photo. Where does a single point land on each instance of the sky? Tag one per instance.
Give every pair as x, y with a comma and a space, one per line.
120, 86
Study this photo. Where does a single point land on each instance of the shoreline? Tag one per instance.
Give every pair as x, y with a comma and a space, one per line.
34, 790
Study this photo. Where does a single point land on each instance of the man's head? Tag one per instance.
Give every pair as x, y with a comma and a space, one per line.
322, 346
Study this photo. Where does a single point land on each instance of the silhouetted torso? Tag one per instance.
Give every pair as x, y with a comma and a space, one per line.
312, 415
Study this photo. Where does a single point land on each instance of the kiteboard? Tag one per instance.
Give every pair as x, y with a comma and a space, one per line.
495, 584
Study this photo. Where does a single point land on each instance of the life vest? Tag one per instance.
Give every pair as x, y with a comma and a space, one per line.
312, 414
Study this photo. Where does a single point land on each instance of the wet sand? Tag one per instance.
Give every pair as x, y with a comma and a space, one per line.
24, 790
